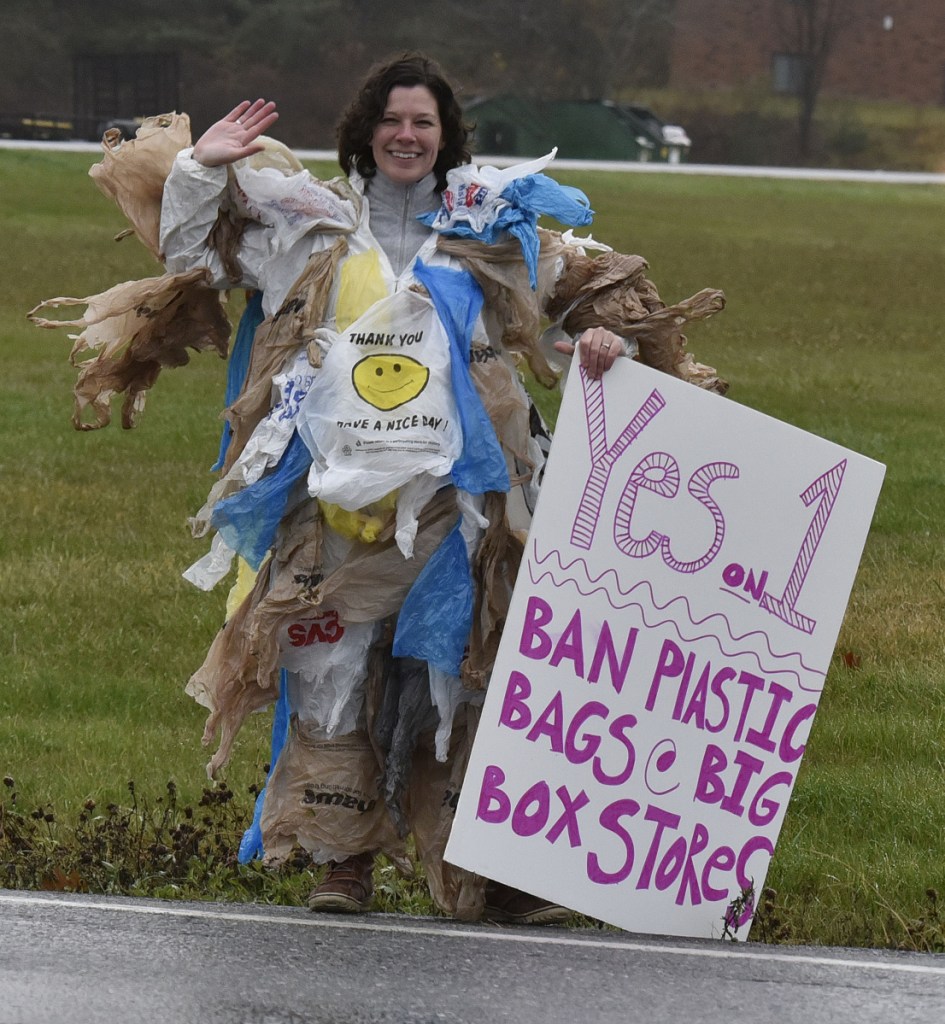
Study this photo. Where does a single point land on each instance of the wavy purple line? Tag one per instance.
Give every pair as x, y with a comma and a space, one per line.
597, 586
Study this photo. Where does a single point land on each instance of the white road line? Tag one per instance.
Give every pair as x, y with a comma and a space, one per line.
726, 952
480, 159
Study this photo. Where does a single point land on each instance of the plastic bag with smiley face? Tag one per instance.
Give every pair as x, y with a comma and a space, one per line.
381, 410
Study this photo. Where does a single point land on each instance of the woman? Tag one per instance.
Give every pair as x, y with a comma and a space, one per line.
358, 562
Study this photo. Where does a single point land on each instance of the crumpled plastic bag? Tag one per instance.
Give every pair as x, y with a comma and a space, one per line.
137, 328
278, 339
515, 308
298, 558
136, 334
248, 519
214, 566
294, 204
405, 712
612, 290
229, 682
238, 365
430, 807
412, 498
448, 694
265, 447
274, 433
487, 203
495, 569
421, 783
133, 171
251, 845
328, 662
374, 580
370, 585
508, 406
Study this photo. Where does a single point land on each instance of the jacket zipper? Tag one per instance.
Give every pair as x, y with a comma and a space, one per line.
401, 262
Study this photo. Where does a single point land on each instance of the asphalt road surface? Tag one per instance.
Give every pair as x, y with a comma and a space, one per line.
83, 959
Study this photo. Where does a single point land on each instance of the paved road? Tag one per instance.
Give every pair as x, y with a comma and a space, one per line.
91, 960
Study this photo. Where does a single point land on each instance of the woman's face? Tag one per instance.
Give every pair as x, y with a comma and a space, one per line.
408, 138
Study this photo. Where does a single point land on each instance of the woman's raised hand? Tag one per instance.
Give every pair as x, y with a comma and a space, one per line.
234, 136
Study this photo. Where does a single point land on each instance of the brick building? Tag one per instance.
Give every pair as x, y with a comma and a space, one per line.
889, 50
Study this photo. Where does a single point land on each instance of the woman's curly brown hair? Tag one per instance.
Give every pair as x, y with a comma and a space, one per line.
356, 127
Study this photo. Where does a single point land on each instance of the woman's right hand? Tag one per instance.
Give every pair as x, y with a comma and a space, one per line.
234, 136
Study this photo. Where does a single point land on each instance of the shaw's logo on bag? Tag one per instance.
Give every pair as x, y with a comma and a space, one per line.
323, 629
348, 800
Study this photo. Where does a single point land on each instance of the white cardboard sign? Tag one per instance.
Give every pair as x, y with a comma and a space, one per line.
684, 582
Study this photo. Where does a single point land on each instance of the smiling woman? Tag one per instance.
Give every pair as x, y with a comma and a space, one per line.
406, 95
408, 139
381, 466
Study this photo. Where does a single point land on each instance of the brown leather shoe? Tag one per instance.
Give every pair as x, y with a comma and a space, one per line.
505, 905
347, 886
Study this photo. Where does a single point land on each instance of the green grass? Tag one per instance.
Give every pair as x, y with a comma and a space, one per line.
98, 630
833, 323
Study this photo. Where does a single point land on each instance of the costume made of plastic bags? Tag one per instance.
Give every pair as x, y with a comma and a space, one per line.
375, 614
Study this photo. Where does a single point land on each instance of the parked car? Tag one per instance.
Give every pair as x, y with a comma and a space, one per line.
670, 142
511, 125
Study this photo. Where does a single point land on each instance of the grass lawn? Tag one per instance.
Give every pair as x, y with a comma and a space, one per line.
832, 324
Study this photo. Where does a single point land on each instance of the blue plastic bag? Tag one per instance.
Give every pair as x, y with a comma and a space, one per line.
248, 520
251, 845
457, 299
436, 615
238, 365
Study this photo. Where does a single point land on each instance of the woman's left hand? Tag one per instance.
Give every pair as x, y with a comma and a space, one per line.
597, 349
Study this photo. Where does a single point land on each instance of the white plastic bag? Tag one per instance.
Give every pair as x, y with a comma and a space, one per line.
327, 664
473, 195
269, 440
381, 409
292, 204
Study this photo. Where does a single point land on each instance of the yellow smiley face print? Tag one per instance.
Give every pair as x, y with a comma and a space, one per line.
389, 381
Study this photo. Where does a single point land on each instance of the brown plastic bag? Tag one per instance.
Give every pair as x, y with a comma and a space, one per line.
431, 806
495, 570
323, 795
373, 583
133, 171
612, 290
137, 329
228, 682
505, 403
510, 302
